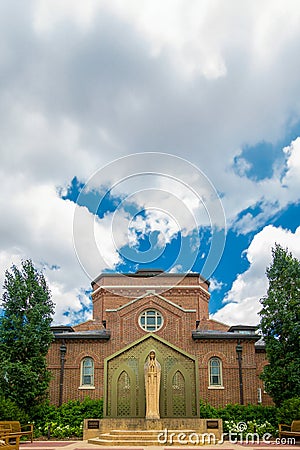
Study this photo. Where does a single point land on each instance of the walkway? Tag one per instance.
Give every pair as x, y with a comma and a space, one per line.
84, 445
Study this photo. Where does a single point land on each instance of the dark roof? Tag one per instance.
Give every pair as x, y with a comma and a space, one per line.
61, 329
249, 328
215, 334
147, 273
260, 345
88, 334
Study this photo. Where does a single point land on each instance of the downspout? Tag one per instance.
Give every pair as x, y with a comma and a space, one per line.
63, 350
239, 349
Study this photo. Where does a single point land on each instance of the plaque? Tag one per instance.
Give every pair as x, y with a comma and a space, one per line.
93, 424
212, 424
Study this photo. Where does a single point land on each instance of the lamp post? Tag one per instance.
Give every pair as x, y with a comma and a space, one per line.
239, 350
63, 350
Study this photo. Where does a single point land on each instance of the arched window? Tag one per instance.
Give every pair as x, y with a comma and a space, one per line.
87, 372
215, 372
123, 394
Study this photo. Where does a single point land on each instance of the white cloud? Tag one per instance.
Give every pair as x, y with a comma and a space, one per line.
242, 301
72, 306
271, 195
176, 269
84, 83
291, 179
37, 224
47, 15
215, 285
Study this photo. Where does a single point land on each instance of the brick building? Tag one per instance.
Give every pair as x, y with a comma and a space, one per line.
200, 358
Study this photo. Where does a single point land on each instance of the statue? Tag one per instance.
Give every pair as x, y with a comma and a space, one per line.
152, 370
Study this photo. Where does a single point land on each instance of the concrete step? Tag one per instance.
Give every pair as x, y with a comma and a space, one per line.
145, 433
124, 437
137, 438
104, 442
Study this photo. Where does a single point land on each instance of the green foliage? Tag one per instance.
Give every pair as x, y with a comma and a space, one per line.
92, 408
58, 431
43, 413
10, 411
25, 335
75, 411
247, 413
249, 428
289, 411
207, 411
66, 420
280, 326
261, 418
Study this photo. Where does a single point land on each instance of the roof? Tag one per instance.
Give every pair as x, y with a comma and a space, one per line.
87, 334
260, 345
147, 273
61, 329
215, 334
243, 328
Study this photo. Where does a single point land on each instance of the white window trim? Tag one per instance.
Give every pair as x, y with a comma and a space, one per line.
215, 386
87, 386
259, 395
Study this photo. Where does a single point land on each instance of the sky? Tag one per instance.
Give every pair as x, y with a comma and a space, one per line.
150, 134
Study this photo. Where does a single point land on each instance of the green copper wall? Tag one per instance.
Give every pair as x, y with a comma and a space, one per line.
124, 379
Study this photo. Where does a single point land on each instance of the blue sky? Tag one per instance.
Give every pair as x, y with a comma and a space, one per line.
96, 95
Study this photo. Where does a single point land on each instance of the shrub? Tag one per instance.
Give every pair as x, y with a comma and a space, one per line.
10, 411
41, 415
59, 431
66, 420
247, 413
252, 427
289, 411
257, 418
207, 411
92, 408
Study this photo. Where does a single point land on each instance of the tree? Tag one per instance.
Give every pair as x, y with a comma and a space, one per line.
25, 335
280, 326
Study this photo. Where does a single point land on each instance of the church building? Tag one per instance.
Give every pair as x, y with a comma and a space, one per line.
165, 313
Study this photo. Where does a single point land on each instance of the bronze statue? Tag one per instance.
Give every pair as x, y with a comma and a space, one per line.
152, 370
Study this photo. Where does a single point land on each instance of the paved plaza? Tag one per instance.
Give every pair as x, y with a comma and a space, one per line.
84, 445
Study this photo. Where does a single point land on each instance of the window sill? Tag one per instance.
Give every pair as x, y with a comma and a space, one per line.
216, 387
87, 387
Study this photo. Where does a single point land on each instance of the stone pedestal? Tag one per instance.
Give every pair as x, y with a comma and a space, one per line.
136, 431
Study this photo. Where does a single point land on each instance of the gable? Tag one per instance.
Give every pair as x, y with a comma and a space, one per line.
128, 364
152, 339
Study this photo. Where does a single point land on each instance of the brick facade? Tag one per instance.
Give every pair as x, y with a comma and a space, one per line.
182, 301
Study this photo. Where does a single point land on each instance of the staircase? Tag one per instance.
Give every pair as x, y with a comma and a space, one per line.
142, 437
142, 432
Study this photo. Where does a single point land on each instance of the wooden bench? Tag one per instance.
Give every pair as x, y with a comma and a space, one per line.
6, 442
13, 428
292, 430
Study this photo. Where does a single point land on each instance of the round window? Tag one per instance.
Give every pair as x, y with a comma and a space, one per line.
151, 320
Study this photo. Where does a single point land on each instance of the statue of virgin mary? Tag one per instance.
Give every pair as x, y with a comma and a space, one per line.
152, 371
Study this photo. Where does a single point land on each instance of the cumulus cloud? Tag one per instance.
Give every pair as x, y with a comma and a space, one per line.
271, 195
38, 224
291, 178
242, 302
82, 84
215, 285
